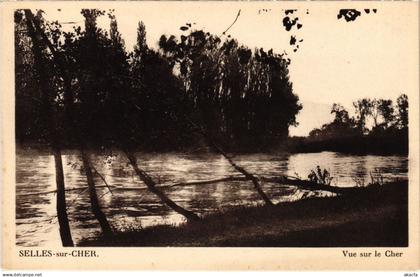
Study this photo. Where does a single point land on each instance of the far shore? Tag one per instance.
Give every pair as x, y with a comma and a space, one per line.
292, 145
373, 217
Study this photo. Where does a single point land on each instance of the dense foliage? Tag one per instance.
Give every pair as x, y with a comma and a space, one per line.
386, 119
378, 127
100, 94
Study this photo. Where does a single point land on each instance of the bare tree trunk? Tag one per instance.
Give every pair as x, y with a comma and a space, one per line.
68, 97
238, 168
96, 208
251, 177
63, 221
151, 185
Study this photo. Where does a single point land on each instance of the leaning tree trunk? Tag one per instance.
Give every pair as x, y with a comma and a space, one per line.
63, 221
251, 177
33, 31
238, 168
68, 99
151, 185
96, 208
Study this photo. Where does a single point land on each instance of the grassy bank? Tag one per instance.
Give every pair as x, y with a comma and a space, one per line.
377, 216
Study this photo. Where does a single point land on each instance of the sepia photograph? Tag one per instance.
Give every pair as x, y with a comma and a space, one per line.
235, 125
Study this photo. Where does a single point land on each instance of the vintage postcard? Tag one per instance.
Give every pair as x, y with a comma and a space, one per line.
210, 135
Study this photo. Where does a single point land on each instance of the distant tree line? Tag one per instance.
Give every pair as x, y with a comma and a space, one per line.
378, 126
385, 116
147, 97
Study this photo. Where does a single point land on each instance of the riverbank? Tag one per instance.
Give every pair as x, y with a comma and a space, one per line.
374, 217
389, 144
395, 143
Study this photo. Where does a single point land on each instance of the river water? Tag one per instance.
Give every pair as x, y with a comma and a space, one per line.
130, 205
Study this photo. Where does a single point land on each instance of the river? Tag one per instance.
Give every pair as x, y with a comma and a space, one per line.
131, 206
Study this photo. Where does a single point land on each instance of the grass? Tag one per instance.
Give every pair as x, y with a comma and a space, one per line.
376, 216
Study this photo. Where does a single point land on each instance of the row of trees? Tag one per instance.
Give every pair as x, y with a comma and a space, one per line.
387, 118
241, 97
83, 89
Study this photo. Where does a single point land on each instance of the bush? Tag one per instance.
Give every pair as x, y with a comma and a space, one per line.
319, 176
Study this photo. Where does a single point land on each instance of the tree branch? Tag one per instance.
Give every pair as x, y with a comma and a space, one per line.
103, 179
237, 16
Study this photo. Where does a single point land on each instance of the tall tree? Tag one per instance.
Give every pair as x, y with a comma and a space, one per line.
39, 46
386, 111
363, 109
209, 74
341, 126
341, 115
157, 94
402, 111
243, 96
157, 97
374, 112
94, 201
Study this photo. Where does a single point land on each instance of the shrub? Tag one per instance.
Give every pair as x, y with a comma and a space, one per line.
319, 176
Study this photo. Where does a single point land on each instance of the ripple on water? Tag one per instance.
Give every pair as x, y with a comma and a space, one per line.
132, 206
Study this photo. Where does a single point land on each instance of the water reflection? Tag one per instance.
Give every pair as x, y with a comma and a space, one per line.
131, 205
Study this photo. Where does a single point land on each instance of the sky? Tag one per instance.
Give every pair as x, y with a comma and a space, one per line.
374, 56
